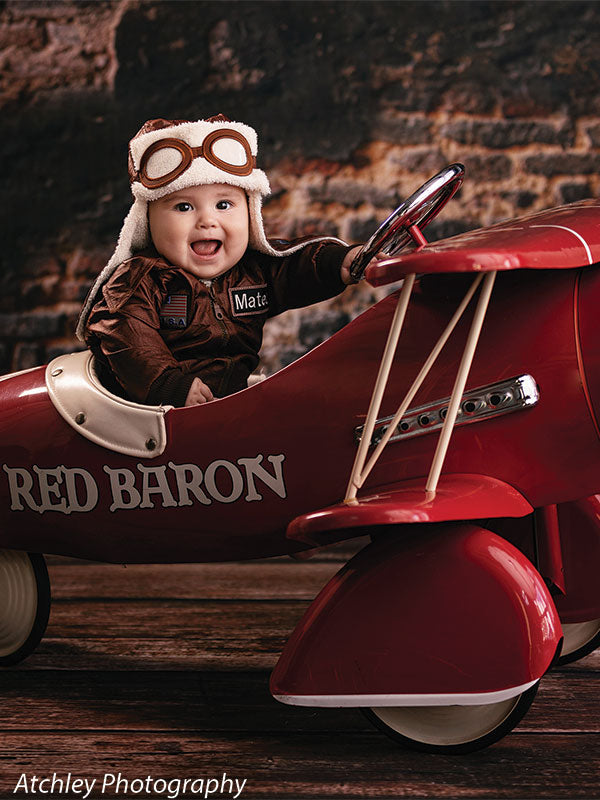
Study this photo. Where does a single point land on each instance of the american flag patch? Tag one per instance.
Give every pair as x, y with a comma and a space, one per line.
173, 312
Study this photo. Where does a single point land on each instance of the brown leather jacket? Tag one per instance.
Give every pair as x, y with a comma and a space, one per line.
157, 327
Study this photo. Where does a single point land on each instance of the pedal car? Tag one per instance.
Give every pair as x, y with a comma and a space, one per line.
468, 449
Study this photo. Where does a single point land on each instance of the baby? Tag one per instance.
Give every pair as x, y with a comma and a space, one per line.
176, 316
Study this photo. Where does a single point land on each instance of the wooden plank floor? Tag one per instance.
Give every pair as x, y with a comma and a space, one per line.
163, 672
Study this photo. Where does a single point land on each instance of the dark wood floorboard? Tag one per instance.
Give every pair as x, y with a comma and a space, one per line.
164, 670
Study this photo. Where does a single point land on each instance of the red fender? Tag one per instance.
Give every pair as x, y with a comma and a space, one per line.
445, 615
579, 524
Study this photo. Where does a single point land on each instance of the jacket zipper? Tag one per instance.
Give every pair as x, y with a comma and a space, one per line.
218, 312
220, 316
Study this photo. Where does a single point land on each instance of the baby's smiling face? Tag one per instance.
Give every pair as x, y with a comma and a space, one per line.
202, 229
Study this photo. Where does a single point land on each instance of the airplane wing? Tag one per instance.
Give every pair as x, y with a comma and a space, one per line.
561, 238
458, 497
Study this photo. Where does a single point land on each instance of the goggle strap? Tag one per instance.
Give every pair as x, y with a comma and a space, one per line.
188, 154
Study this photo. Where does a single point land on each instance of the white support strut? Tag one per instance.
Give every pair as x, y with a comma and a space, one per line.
459, 383
380, 384
425, 369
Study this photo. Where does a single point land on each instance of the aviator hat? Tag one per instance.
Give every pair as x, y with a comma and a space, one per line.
168, 155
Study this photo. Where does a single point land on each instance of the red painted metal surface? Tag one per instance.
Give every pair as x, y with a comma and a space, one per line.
432, 606
456, 610
562, 238
588, 289
580, 546
457, 497
306, 415
547, 533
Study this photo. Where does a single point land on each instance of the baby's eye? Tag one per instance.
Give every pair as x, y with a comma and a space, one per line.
223, 205
183, 206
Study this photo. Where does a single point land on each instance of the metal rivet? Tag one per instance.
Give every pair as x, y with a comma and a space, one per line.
151, 444
56, 372
80, 418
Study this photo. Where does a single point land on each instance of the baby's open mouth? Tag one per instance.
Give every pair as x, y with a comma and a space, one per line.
206, 247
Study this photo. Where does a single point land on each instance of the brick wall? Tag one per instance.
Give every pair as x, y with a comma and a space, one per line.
356, 104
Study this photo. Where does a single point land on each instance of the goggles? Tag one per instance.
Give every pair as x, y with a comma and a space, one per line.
166, 159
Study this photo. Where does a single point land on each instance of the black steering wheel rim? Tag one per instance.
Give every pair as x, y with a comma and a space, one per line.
418, 209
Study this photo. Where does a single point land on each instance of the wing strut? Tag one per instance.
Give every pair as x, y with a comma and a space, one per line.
360, 472
459, 384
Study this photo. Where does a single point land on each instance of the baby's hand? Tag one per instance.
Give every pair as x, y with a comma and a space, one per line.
349, 258
198, 393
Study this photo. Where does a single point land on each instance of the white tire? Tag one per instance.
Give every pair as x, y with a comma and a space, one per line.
452, 729
581, 638
24, 604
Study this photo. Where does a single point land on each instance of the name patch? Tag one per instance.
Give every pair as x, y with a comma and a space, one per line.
173, 312
249, 300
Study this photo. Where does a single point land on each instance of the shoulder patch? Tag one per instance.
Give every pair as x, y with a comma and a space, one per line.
173, 312
246, 300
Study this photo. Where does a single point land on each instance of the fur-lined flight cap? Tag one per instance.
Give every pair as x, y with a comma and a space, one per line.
168, 155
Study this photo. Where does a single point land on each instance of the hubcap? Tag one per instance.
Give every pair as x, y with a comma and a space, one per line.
446, 725
578, 634
18, 600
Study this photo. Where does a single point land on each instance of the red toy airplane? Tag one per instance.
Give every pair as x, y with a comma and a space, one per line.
470, 452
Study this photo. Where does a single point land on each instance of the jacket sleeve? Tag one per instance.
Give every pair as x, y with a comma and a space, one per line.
308, 276
127, 331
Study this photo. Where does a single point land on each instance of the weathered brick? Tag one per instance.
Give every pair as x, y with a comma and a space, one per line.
470, 96
31, 325
362, 229
71, 320
41, 292
316, 328
593, 133
535, 97
63, 348
403, 130
352, 194
443, 228
349, 83
563, 164
5, 358
87, 262
500, 134
521, 199
571, 192
288, 355
423, 97
427, 161
27, 355
73, 291
314, 227
26, 34
487, 168
40, 9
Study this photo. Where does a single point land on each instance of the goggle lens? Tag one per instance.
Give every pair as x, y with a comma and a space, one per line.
162, 162
229, 151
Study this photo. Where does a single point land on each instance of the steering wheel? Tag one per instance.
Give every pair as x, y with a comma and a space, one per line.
419, 209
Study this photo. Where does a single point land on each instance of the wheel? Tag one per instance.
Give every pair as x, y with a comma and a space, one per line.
419, 209
24, 604
452, 729
581, 638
